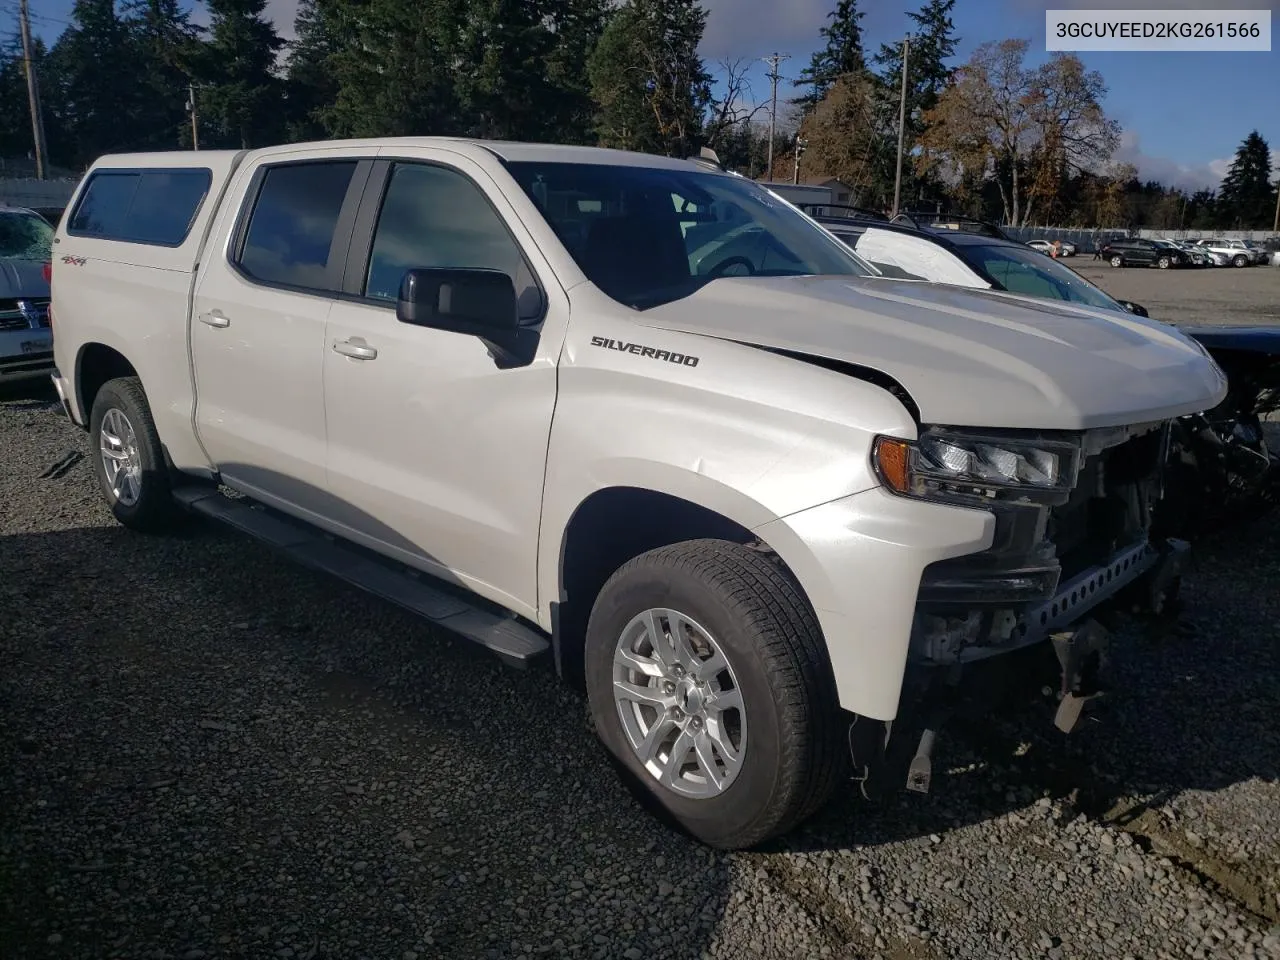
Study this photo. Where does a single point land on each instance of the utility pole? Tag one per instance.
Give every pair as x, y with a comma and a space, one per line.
1275, 226
902, 126
801, 143
33, 90
773, 62
195, 121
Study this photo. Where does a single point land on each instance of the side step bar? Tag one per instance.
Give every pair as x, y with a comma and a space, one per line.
500, 633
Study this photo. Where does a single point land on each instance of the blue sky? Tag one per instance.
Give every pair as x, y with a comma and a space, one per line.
1183, 114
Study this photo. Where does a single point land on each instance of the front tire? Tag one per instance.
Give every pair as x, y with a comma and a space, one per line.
1117, 261
1163, 263
1239, 260
709, 683
128, 458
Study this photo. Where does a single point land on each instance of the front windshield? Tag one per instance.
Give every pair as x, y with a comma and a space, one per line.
648, 235
25, 236
1034, 275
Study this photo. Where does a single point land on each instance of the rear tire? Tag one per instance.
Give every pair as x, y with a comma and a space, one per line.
128, 457
724, 600
1117, 261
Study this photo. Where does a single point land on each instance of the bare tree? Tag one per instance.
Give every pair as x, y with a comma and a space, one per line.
1016, 126
737, 106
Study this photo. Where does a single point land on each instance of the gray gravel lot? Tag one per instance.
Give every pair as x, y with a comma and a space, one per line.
208, 752
1212, 295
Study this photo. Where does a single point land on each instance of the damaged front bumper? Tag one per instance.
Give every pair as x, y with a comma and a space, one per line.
943, 639
1052, 569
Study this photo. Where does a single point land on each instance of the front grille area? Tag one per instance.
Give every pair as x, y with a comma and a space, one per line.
25, 313
1050, 563
1110, 507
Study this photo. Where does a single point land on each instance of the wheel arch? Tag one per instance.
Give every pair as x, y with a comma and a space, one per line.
614, 524
97, 363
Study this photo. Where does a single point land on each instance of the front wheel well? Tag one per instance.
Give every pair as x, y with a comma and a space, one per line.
96, 365
611, 527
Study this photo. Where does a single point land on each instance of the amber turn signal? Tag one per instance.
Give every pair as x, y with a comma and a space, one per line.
892, 457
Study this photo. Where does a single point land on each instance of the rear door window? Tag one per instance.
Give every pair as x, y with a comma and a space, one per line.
154, 207
290, 239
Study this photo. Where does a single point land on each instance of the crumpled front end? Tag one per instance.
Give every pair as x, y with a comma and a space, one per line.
1077, 522
1058, 554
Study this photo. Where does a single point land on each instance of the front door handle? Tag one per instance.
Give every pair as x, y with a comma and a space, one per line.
215, 318
355, 348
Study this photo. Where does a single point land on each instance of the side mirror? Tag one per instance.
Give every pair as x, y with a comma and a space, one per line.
1135, 308
480, 303
472, 301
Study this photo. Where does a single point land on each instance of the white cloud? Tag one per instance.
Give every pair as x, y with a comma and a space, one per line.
1199, 176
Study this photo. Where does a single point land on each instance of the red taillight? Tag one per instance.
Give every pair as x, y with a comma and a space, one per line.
47, 270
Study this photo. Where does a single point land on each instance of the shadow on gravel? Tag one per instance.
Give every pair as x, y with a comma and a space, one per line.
207, 748
210, 751
21, 392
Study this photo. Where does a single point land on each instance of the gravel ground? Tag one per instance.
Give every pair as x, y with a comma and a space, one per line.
208, 752
1212, 295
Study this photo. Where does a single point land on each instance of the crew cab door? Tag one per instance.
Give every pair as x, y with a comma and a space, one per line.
258, 323
437, 451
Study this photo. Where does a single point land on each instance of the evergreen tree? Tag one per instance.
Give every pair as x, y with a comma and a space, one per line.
1246, 200
841, 56
16, 137
524, 67
98, 90
647, 79
242, 97
396, 68
310, 84
932, 44
166, 47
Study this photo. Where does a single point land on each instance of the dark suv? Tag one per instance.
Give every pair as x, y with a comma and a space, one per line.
1144, 253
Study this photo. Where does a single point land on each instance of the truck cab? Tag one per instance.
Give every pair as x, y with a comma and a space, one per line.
638, 415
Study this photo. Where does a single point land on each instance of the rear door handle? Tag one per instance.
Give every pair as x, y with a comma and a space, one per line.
215, 318
355, 348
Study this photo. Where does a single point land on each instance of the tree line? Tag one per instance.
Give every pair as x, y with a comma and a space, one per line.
990, 137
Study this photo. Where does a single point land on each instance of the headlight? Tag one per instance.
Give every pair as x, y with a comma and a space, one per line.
952, 464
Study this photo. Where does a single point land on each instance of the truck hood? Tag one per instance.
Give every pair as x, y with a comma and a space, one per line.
967, 357
22, 279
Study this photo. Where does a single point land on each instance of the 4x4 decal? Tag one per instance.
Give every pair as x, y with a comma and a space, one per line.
74, 261
641, 350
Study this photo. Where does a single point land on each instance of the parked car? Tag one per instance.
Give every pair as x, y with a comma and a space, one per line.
1260, 253
1199, 256
1221, 456
1137, 252
1066, 247
486, 381
1236, 251
26, 342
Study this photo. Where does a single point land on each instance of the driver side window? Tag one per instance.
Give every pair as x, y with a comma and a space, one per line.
435, 217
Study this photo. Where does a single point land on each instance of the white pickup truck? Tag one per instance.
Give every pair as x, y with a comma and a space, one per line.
634, 412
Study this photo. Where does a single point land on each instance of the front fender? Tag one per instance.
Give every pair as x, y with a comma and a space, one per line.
745, 433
